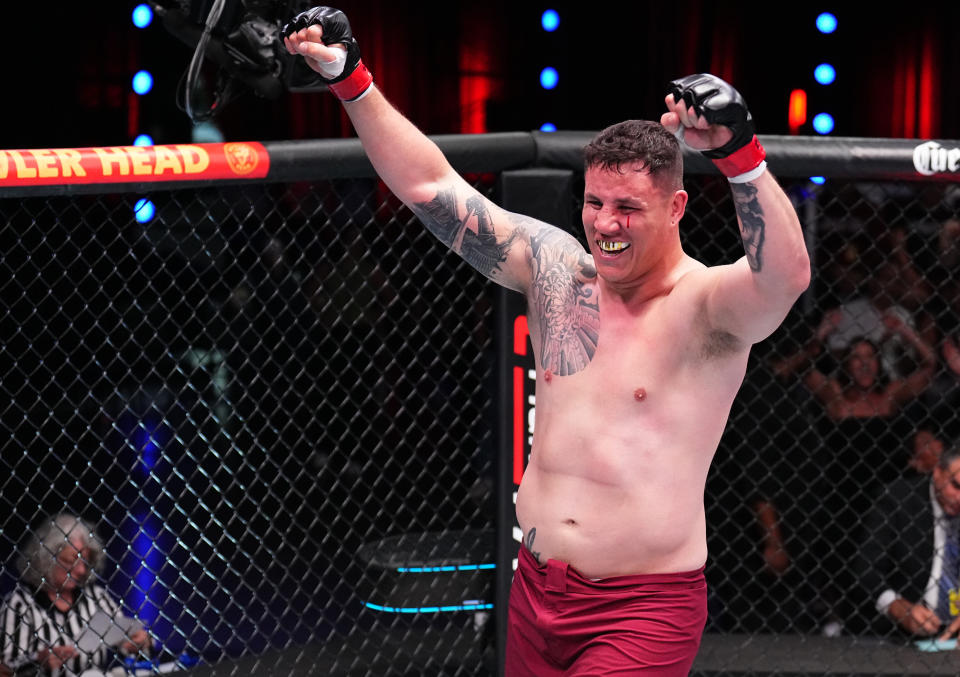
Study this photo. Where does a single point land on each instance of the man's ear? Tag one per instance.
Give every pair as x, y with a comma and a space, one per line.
678, 204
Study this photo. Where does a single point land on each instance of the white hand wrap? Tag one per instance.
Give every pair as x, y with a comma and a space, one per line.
332, 69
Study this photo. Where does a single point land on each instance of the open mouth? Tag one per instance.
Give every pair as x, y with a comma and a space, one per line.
612, 247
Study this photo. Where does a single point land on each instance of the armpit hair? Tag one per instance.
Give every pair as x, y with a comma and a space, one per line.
719, 343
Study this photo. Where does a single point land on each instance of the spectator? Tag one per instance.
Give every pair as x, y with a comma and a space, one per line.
943, 397
56, 599
908, 559
863, 435
926, 447
870, 279
858, 388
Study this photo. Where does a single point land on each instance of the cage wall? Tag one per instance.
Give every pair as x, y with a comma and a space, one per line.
276, 400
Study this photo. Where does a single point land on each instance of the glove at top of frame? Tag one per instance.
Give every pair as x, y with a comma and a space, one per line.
355, 79
719, 103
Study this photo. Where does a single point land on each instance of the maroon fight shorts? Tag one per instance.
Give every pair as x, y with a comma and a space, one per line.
561, 623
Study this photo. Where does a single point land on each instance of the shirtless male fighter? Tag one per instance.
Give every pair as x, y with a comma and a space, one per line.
639, 349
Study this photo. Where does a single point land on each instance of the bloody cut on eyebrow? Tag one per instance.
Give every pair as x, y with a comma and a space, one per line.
620, 201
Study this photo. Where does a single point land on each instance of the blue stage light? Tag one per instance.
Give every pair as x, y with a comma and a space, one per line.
825, 74
549, 78
548, 127
142, 82
550, 20
826, 22
146, 559
143, 140
144, 210
475, 606
142, 16
819, 180
823, 123
458, 567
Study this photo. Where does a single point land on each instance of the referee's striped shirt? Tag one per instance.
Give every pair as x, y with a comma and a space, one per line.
31, 623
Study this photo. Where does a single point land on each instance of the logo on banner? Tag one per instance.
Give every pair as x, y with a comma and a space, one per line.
932, 158
241, 157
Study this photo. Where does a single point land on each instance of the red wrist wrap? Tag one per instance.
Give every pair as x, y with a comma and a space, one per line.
742, 160
354, 85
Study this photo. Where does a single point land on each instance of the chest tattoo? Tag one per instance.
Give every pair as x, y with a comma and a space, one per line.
566, 308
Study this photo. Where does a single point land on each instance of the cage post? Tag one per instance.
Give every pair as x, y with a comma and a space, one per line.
543, 194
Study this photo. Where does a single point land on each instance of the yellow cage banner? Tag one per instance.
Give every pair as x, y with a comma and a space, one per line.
122, 164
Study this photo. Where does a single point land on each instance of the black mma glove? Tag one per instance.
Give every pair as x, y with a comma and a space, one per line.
354, 79
741, 159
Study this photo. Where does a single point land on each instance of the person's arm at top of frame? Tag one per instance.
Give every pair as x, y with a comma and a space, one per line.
489, 238
750, 298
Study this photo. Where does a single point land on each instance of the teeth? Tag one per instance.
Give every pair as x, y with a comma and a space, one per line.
612, 246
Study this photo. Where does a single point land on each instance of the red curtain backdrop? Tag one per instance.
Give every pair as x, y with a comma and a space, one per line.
480, 67
916, 84
909, 71
445, 65
415, 52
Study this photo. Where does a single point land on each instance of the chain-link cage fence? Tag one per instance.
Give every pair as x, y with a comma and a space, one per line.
271, 401
825, 509
274, 403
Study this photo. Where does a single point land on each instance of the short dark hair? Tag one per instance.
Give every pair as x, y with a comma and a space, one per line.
950, 454
843, 375
638, 141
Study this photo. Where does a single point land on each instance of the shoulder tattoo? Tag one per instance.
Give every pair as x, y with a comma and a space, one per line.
566, 308
752, 222
479, 247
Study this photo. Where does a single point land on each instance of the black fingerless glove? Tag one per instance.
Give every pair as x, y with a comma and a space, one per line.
719, 103
355, 78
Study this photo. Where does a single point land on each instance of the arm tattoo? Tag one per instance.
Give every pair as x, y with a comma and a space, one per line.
753, 225
480, 249
531, 536
567, 312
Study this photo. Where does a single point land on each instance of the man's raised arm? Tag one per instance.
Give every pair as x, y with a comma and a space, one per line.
492, 240
751, 297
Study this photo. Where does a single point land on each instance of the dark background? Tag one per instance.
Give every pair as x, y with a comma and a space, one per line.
473, 67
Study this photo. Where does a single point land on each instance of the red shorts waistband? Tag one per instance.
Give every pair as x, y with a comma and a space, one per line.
533, 571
